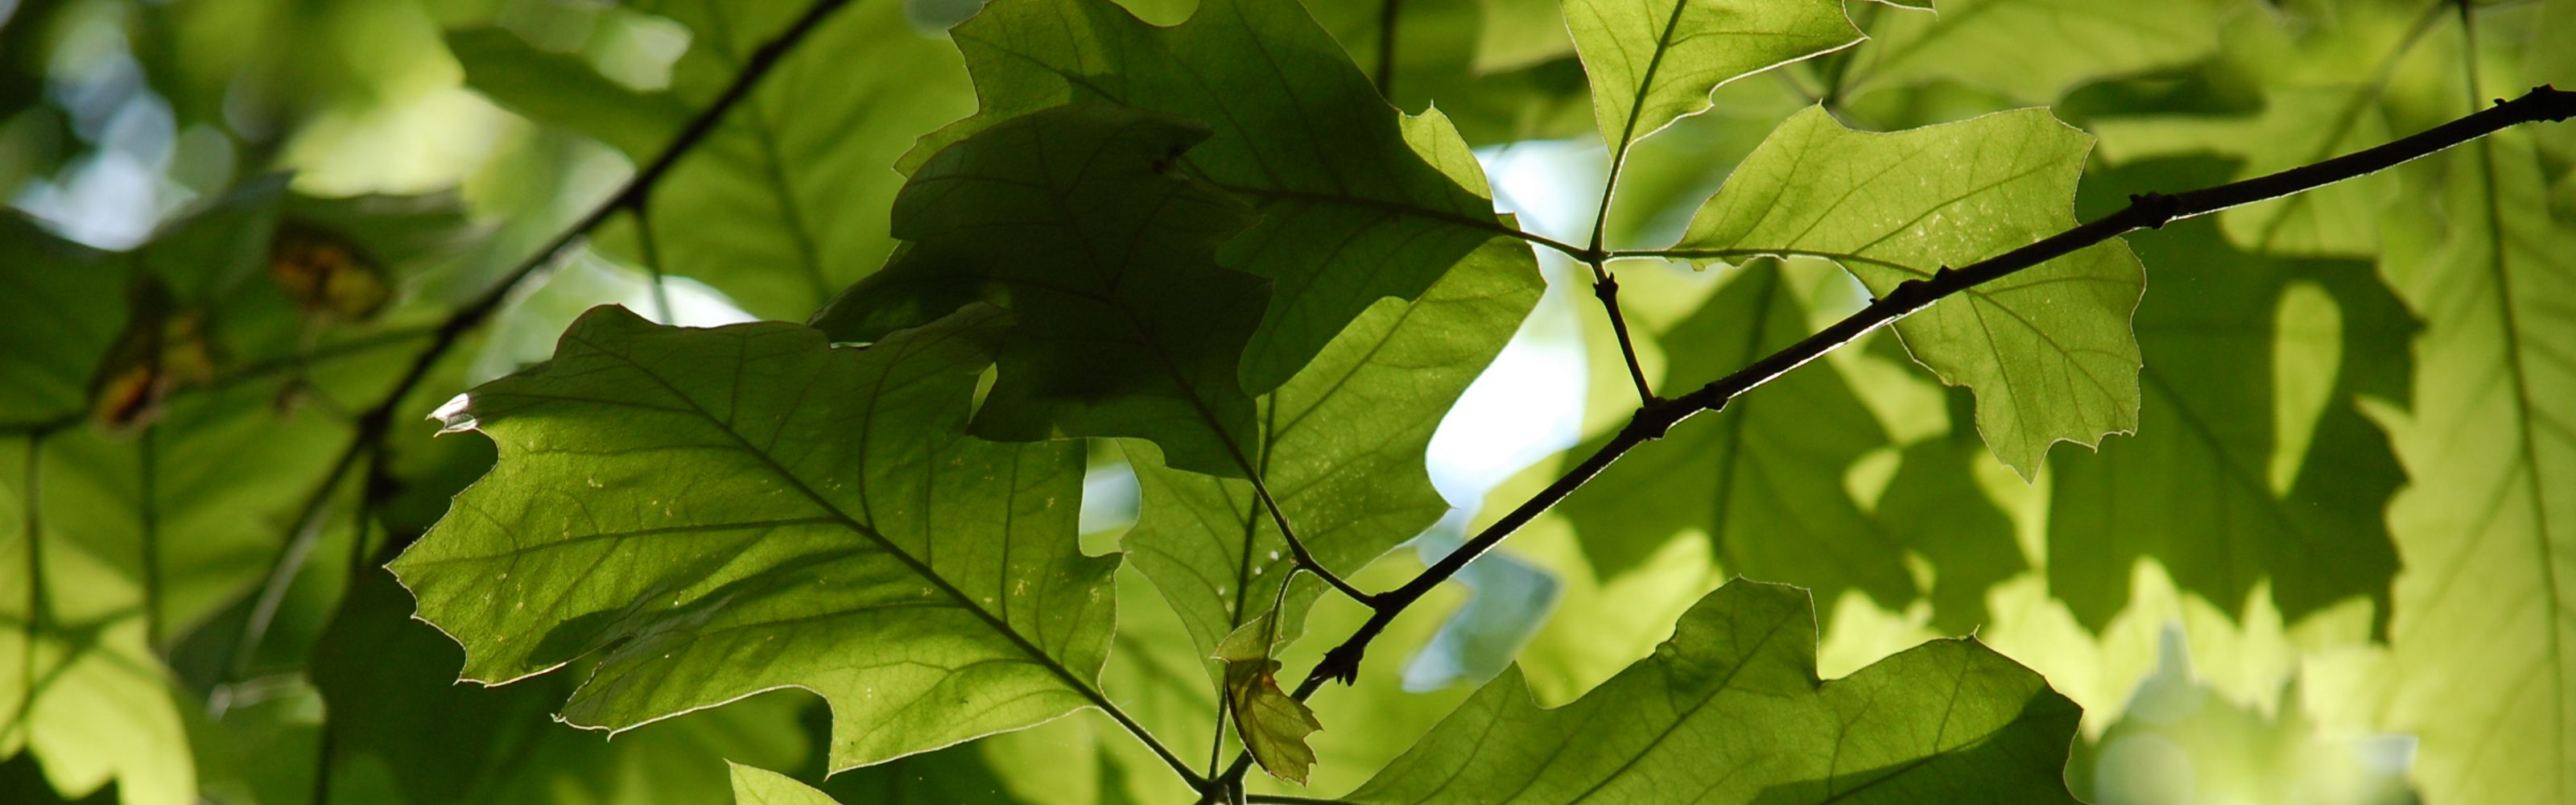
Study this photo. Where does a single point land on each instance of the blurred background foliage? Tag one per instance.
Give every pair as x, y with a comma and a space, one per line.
234, 224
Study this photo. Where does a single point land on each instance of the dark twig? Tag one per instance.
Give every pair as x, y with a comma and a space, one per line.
2147, 211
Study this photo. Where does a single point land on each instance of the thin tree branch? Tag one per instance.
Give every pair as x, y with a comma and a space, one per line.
375, 422
2147, 211
1387, 12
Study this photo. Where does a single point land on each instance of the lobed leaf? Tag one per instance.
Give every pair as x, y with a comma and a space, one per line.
714, 513
2048, 350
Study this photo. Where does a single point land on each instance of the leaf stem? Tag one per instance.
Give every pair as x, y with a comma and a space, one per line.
652, 260
2145, 211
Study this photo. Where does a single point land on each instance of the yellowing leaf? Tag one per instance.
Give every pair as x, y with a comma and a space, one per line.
1272, 724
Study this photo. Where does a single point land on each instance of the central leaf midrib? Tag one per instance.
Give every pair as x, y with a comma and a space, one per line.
2530, 449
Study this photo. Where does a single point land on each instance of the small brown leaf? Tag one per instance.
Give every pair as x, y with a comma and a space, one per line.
326, 272
1272, 724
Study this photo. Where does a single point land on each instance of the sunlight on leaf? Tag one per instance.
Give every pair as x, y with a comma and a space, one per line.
757, 786
1653, 61
1730, 709
714, 513
2047, 350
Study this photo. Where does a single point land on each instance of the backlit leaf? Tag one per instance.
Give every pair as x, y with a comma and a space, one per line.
1653, 61
2048, 350
2487, 526
1730, 710
714, 513
1272, 725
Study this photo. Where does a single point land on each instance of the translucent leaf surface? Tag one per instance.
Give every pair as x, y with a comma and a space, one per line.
2487, 525
757, 786
2048, 351
714, 513
1651, 62
1730, 710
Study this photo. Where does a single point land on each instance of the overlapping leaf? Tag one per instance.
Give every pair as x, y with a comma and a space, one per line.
1349, 212
2487, 527
713, 513
1128, 326
1730, 710
1652, 62
1341, 445
2047, 350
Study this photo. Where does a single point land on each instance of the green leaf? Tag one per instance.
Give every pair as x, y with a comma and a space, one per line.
67, 305
80, 688
1653, 62
2048, 350
1272, 725
2032, 51
757, 786
785, 201
1127, 324
1342, 449
563, 89
2488, 522
2284, 487
1730, 710
1763, 478
714, 513
389, 687
1349, 212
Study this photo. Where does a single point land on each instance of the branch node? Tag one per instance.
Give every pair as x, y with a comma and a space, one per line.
2160, 208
